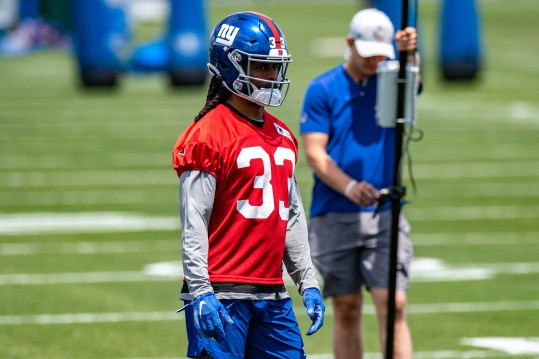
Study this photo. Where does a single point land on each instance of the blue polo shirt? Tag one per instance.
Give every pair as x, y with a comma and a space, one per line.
344, 110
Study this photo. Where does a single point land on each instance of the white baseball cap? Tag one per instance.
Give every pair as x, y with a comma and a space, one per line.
373, 33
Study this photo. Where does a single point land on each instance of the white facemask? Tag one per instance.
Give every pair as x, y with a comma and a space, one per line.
270, 97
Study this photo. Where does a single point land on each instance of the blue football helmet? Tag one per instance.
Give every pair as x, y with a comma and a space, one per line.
237, 41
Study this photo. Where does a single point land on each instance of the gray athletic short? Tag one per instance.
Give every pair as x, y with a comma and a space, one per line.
351, 250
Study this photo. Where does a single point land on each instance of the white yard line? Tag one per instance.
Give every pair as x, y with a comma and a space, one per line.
422, 270
81, 222
513, 346
95, 222
89, 247
504, 306
472, 213
161, 245
80, 318
115, 317
80, 278
472, 239
81, 178
437, 270
521, 188
489, 170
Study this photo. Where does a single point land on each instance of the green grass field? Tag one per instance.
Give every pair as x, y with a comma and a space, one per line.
89, 237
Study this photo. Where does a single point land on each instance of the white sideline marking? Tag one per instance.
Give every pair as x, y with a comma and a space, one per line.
472, 239
82, 277
88, 247
488, 170
433, 269
470, 307
46, 223
41, 180
473, 213
85, 177
72, 318
141, 246
524, 112
514, 346
115, 317
422, 270
172, 269
521, 112
95, 222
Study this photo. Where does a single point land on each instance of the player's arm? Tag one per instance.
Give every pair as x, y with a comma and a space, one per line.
297, 257
315, 143
298, 262
197, 193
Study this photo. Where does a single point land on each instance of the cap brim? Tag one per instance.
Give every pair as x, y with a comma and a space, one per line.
374, 48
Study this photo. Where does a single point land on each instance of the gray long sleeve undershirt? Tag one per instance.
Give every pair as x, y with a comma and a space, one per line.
197, 193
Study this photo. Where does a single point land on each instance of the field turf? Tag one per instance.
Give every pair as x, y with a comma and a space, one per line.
89, 237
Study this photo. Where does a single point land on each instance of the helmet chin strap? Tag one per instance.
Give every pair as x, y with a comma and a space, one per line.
213, 70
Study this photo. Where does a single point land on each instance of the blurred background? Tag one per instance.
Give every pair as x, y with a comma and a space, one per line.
93, 97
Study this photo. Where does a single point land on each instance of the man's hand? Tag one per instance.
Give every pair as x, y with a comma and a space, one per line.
406, 39
211, 317
314, 306
361, 193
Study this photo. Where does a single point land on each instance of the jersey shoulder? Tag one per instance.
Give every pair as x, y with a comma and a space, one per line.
199, 146
281, 128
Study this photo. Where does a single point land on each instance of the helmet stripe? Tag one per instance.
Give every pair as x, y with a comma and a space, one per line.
272, 27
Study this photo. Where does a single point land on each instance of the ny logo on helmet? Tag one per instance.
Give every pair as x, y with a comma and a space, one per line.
227, 34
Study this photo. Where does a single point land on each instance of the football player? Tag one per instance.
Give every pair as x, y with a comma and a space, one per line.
241, 210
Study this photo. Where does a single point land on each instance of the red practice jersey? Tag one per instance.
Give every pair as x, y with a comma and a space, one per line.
253, 168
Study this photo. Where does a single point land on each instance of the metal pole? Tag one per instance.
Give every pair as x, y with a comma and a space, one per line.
396, 197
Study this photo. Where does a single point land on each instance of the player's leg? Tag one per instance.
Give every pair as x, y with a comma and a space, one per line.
274, 331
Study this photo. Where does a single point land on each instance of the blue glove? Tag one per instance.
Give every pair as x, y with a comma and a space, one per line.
314, 306
211, 317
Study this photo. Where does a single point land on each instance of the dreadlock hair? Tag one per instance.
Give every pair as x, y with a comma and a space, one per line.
217, 93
